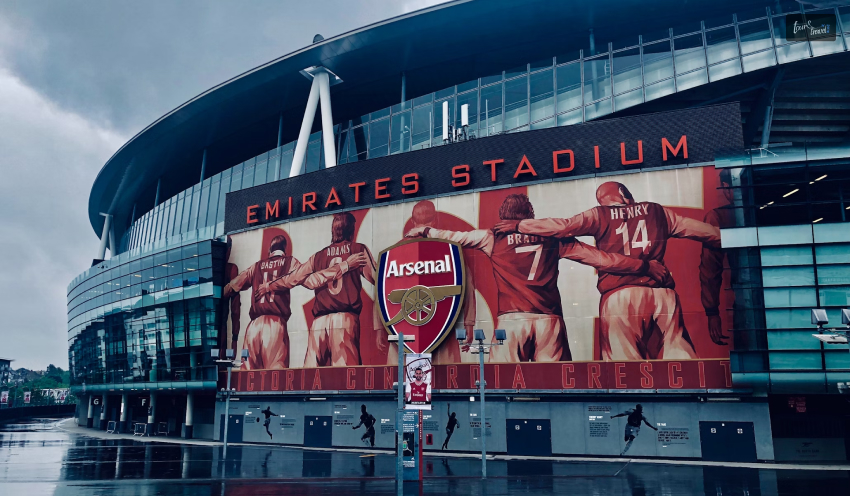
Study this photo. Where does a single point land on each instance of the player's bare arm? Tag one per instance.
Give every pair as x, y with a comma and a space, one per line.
479, 239
302, 274
239, 283
685, 227
613, 263
583, 224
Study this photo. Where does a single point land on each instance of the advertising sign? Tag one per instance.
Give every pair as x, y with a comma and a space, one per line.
600, 282
62, 396
27, 396
4, 397
411, 458
418, 379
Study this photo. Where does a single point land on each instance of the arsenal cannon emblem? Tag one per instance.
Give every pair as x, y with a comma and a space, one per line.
420, 289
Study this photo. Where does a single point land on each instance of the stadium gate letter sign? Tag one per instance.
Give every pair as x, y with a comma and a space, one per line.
420, 290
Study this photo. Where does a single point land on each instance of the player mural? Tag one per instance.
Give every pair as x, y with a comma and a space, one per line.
613, 269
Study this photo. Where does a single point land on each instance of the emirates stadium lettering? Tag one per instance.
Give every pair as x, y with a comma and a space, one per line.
678, 138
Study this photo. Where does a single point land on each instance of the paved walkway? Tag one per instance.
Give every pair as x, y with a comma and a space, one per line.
70, 426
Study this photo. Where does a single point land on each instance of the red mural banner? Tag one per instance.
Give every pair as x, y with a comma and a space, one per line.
533, 376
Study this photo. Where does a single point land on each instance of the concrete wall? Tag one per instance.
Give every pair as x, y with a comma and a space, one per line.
578, 427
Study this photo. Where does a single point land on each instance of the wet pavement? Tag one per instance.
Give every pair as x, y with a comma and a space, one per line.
39, 457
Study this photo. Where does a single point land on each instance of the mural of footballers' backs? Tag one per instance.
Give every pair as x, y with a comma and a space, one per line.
612, 268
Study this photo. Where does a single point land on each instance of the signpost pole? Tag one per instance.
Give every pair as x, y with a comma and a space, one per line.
481, 384
400, 450
226, 413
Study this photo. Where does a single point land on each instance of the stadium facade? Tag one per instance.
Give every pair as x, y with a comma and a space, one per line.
692, 160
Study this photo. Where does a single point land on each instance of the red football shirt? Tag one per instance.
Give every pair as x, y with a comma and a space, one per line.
342, 294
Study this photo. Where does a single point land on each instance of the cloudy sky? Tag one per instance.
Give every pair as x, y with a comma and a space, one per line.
77, 79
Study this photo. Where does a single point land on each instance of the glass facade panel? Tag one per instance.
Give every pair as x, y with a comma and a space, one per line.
833, 253
787, 360
627, 71
542, 91
471, 100
422, 118
569, 86
689, 53
788, 276
358, 146
628, 100
516, 103
759, 60
569, 118
792, 340
313, 161
658, 90
724, 70
721, 44
831, 275
379, 138
755, 36
657, 62
400, 133
788, 318
790, 297
792, 52
490, 107
691, 79
597, 79
597, 109
786, 255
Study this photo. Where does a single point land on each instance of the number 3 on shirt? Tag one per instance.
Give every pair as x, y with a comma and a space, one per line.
643, 243
335, 285
538, 250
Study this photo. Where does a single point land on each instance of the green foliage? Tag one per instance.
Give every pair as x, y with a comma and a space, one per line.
36, 381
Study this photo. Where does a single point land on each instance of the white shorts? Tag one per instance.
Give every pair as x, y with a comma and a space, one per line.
334, 340
532, 337
267, 342
639, 323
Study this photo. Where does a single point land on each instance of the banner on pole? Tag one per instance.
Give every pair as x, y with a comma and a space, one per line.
4, 397
27, 395
419, 375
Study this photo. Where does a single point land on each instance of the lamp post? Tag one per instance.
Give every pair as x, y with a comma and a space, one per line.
400, 338
229, 364
481, 348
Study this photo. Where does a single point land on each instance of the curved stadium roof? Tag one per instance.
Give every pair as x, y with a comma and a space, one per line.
435, 47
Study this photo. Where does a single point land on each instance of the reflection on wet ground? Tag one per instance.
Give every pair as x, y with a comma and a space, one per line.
39, 458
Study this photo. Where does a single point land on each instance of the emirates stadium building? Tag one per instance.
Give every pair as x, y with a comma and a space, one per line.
635, 206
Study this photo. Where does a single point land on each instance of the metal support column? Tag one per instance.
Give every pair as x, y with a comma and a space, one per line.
156, 196
103, 406
190, 406
104, 236
151, 427
203, 169
90, 416
327, 119
306, 126
122, 423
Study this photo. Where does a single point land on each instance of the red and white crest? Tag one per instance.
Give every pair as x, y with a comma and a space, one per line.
420, 289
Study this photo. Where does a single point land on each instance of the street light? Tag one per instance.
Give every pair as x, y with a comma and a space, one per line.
400, 338
482, 348
229, 364
820, 319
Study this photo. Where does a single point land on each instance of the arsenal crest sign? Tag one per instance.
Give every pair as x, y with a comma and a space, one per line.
420, 290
